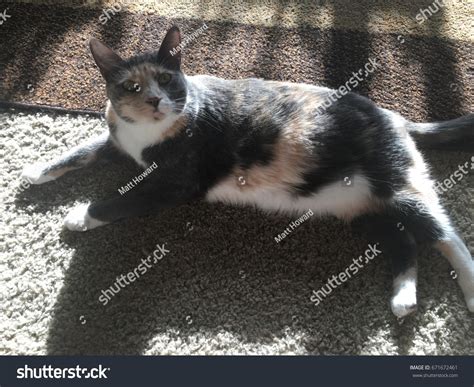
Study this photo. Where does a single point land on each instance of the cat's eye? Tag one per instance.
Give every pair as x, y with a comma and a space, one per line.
132, 86
164, 78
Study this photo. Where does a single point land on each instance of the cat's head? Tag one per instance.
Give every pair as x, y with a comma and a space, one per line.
148, 87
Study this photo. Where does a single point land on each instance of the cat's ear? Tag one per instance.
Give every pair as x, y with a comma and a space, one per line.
169, 54
105, 57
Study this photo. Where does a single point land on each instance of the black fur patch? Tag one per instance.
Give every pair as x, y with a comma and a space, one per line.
396, 241
352, 136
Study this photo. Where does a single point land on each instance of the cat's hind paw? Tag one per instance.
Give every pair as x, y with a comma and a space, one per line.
470, 304
34, 174
78, 219
404, 303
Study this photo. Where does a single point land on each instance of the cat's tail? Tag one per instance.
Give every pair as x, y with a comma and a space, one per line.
457, 134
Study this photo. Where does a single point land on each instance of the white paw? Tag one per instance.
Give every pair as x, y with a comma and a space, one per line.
78, 219
404, 302
34, 174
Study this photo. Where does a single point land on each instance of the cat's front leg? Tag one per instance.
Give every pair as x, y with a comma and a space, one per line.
79, 219
78, 157
135, 203
88, 216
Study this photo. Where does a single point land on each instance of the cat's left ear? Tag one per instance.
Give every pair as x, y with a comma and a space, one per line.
169, 54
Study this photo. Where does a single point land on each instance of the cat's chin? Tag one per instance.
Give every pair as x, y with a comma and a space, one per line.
158, 116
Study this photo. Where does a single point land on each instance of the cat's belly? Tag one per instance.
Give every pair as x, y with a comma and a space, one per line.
344, 199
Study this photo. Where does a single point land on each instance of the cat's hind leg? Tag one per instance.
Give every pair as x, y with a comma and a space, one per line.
456, 252
399, 245
78, 157
426, 219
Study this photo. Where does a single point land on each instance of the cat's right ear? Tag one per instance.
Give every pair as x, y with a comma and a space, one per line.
105, 57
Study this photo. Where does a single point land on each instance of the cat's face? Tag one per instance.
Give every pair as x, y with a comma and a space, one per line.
148, 87
147, 92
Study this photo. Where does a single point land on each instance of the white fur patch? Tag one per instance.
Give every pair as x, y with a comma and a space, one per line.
339, 199
398, 121
133, 138
78, 219
404, 293
34, 174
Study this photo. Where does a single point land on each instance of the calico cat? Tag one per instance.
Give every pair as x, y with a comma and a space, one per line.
270, 144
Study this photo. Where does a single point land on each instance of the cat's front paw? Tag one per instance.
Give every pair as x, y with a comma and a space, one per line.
35, 174
78, 219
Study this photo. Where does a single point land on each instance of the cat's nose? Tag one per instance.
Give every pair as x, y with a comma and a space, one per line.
153, 101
